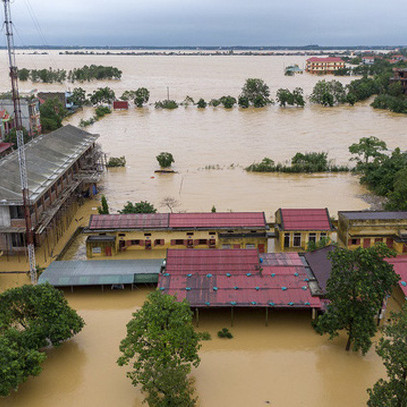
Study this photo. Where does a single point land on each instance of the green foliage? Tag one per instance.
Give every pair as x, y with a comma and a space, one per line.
86, 123
225, 333
11, 137
31, 318
397, 199
142, 95
188, 101
116, 162
102, 95
328, 93
243, 102
256, 89
259, 101
23, 74
78, 97
48, 75
201, 104
286, 97
98, 72
205, 336
266, 165
161, 347
128, 95
101, 111
228, 101
366, 149
392, 103
323, 242
213, 210
138, 207
214, 102
52, 112
362, 89
166, 104
165, 159
392, 349
104, 208
343, 72
359, 281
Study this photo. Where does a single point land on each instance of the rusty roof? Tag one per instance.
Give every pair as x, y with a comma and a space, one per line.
237, 277
129, 221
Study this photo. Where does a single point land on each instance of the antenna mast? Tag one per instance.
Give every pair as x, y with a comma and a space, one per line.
20, 140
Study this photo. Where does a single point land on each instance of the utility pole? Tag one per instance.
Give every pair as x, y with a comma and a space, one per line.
20, 140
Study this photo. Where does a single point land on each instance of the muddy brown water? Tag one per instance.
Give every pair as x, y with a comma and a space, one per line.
286, 363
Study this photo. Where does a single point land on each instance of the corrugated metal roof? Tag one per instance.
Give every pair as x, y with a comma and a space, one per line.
220, 278
129, 221
218, 220
400, 267
246, 220
99, 272
47, 156
305, 219
373, 215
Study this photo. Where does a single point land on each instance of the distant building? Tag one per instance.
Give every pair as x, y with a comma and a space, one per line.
63, 168
365, 228
400, 75
368, 60
120, 105
295, 228
30, 111
317, 65
112, 234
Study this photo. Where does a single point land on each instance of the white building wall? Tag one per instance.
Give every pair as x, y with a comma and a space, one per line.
5, 220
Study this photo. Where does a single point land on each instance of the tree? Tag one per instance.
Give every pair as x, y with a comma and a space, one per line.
102, 95
253, 88
359, 282
397, 199
170, 203
11, 137
213, 210
165, 159
284, 97
392, 349
78, 97
138, 207
367, 148
128, 95
328, 93
104, 208
23, 74
298, 94
52, 112
228, 101
201, 104
161, 347
142, 95
31, 318
243, 102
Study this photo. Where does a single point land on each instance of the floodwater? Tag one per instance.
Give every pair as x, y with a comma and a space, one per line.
285, 364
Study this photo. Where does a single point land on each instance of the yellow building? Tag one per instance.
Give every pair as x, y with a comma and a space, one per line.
295, 228
365, 228
324, 65
111, 234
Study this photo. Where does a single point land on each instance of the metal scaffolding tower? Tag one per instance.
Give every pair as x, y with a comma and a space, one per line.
20, 140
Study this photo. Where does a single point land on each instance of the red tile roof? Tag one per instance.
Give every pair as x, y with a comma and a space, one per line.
325, 59
129, 221
179, 220
218, 220
305, 219
238, 278
119, 104
400, 267
4, 147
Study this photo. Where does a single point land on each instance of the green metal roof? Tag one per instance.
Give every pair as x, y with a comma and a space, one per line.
101, 272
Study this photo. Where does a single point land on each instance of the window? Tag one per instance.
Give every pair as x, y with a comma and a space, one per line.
159, 242
122, 234
312, 237
17, 240
253, 231
250, 246
226, 246
147, 234
202, 241
135, 242
190, 233
16, 212
322, 236
179, 241
286, 240
297, 240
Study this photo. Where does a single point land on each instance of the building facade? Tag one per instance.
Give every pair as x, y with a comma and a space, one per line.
63, 167
400, 75
109, 235
365, 228
321, 66
295, 228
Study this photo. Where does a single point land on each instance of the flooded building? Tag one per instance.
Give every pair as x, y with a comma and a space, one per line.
62, 167
400, 75
325, 65
295, 228
365, 228
112, 234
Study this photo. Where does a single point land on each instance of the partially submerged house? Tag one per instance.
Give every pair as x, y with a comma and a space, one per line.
365, 228
295, 228
63, 167
112, 234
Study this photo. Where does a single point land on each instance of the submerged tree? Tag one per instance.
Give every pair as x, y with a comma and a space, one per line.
358, 284
78, 97
366, 149
104, 208
31, 318
141, 96
161, 347
165, 159
138, 207
328, 93
52, 112
102, 95
392, 349
256, 89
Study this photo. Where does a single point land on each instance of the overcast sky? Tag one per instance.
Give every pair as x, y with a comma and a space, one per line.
211, 22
